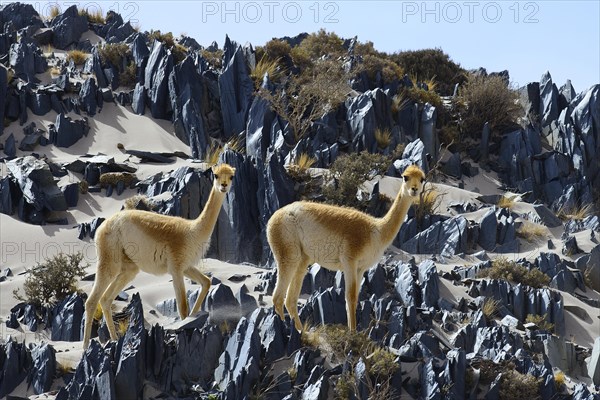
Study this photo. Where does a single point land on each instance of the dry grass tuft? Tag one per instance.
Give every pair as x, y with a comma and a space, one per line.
299, 168
531, 232
490, 308
213, 154
540, 321
510, 271
383, 137
77, 56
506, 202
266, 66
575, 213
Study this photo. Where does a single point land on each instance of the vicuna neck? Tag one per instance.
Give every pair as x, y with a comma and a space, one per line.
208, 217
391, 222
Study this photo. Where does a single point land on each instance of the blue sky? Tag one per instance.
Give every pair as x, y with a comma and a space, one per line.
525, 37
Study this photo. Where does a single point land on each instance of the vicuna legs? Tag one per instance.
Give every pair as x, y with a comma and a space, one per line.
352, 289
195, 275
293, 292
128, 272
180, 295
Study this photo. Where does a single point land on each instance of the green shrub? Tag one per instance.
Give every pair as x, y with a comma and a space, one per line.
166, 38
429, 63
510, 271
323, 43
52, 281
389, 70
277, 49
213, 58
349, 173
114, 53
128, 77
487, 99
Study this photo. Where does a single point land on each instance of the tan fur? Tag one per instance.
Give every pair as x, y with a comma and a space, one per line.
134, 240
337, 238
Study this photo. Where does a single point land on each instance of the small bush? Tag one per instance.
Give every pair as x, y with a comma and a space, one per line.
139, 202
166, 38
429, 63
114, 53
422, 96
84, 186
502, 268
389, 70
277, 50
514, 385
128, 77
540, 321
323, 43
531, 232
77, 56
213, 58
349, 173
179, 52
55, 279
114, 178
487, 99
301, 58
428, 204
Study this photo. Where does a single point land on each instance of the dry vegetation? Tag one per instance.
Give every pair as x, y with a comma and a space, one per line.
490, 308
531, 232
566, 213
94, 17
298, 170
541, 322
510, 271
77, 56
349, 172
52, 281
487, 99
506, 202
383, 137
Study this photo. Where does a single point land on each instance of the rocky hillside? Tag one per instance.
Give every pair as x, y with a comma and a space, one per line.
489, 290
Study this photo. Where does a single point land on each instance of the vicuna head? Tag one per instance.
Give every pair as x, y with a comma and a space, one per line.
223, 175
414, 178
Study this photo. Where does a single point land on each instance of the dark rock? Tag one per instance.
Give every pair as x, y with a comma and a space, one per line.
545, 216
68, 27
10, 194
222, 304
530, 99
131, 368
88, 96
30, 317
271, 330
428, 132
488, 227
593, 363
447, 238
566, 94
429, 283
452, 166
581, 392
406, 286
3, 91
94, 65
116, 30
41, 375
430, 388
27, 59
10, 147
89, 228
570, 246
364, 114
30, 141
67, 318
67, 132
160, 65
247, 302
239, 234
147, 156
38, 186
71, 193
138, 101
239, 364
15, 363
237, 89
548, 110
39, 103
327, 307
414, 153
20, 16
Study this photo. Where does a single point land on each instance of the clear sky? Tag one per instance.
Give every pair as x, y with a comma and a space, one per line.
525, 37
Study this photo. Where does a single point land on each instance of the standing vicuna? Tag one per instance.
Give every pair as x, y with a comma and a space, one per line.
337, 238
134, 240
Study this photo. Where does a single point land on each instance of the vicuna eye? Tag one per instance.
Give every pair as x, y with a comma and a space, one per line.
216, 176
422, 180
405, 178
